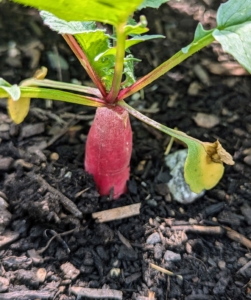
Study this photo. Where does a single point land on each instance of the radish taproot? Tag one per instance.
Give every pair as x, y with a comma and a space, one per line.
108, 150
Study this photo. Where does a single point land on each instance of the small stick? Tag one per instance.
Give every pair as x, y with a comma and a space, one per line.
96, 293
167, 272
199, 229
27, 294
237, 237
117, 213
66, 202
230, 233
56, 235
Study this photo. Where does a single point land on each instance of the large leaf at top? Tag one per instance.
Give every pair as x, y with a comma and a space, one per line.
61, 26
233, 12
106, 11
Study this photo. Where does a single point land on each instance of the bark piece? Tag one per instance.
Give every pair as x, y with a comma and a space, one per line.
70, 272
8, 237
117, 213
32, 129
43, 295
96, 293
6, 163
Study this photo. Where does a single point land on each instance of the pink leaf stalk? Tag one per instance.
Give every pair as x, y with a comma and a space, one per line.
108, 150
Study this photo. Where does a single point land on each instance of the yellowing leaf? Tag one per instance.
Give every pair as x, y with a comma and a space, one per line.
200, 171
204, 165
18, 110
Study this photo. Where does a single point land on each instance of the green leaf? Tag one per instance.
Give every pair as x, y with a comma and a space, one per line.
62, 26
129, 71
133, 28
233, 30
12, 90
236, 40
93, 41
130, 42
106, 11
200, 33
233, 12
151, 3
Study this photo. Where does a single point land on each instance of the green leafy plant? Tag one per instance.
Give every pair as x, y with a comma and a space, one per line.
106, 59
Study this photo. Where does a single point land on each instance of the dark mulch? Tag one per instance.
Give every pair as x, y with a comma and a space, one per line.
43, 158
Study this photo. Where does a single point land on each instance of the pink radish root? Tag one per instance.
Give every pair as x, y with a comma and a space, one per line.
108, 150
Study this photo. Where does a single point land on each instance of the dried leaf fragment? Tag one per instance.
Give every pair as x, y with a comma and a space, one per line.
206, 120
217, 153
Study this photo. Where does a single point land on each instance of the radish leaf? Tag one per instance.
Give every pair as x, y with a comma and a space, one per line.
236, 40
233, 30
133, 41
233, 12
12, 90
106, 11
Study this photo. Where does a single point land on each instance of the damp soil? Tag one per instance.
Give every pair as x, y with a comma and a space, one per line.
51, 247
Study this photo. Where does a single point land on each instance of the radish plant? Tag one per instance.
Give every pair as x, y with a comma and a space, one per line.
105, 59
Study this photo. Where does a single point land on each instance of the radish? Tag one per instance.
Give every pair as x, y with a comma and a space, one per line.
108, 150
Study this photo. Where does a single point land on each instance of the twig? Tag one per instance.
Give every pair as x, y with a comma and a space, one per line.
117, 213
167, 272
66, 202
96, 293
237, 237
124, 240
55, 235
27, 294
230, 233
199, 229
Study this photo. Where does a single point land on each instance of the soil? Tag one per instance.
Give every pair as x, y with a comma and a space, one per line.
50, 245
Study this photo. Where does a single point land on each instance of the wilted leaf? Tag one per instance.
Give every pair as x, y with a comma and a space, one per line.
204, 164
18, 110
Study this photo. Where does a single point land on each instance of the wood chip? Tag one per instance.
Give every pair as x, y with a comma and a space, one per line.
96, 293
8, 237
206, 120
117, 213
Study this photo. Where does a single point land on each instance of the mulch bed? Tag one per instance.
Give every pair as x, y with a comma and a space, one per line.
51, 247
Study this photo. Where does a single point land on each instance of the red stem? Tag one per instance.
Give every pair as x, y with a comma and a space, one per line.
84, 62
